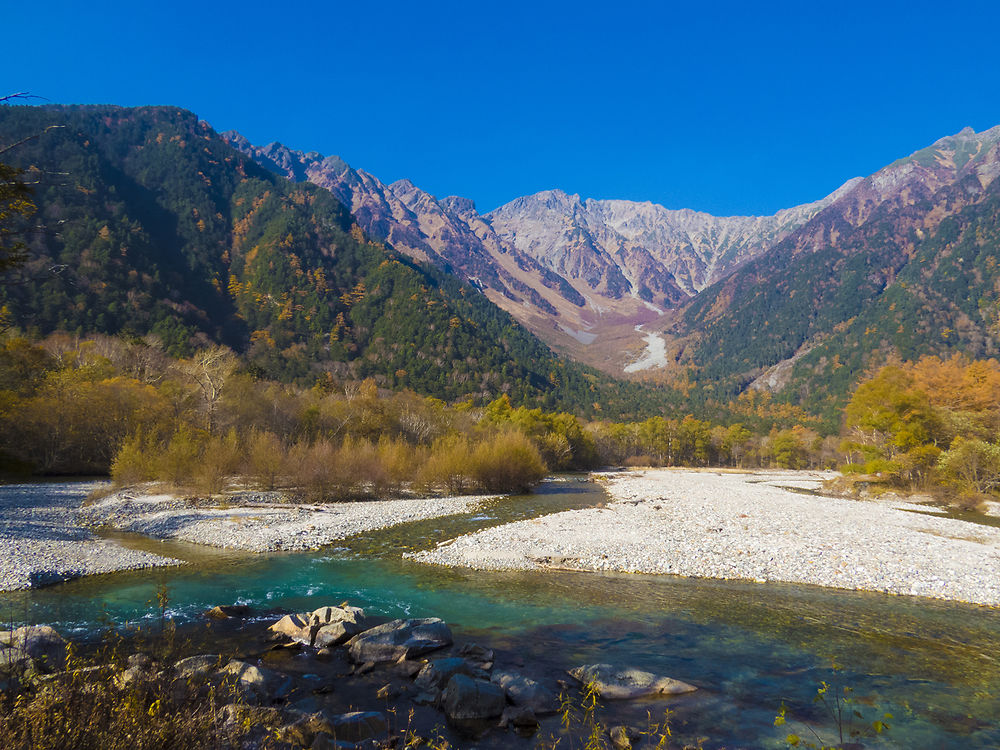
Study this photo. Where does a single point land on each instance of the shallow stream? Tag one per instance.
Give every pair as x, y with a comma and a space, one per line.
935, 666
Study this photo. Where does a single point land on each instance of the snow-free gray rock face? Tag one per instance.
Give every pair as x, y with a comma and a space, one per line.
583, 274
570, 270
640, 248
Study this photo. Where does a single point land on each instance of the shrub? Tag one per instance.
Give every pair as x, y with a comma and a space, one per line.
220, 459
448, 466
399, 461
509, 462
135, 461
634, 461
972, 466
362, 468
178, 462
265, 459
317, 471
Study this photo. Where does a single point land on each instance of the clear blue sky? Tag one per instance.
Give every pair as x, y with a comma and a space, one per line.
728, 107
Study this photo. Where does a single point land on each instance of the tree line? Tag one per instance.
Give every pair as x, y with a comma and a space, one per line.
125, 407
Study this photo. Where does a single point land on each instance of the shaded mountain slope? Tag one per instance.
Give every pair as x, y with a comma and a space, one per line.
157, 225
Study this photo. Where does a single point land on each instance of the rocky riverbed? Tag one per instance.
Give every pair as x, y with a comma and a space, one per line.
336, 678
260, 521
761, 526
41, 541
48, 533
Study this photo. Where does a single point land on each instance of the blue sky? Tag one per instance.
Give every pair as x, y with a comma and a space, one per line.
726, 107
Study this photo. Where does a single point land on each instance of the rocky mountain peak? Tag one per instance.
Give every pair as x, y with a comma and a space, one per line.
465, 207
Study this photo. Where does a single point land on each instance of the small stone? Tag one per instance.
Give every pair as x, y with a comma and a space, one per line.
228, 611
519, 717
619, 736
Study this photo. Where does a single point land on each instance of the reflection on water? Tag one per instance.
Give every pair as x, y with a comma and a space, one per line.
933, 664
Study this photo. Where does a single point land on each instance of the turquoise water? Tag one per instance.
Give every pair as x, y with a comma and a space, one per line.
934, 665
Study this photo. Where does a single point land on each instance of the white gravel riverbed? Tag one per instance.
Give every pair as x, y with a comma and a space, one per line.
48, 535
260, 522
747, 526
41, 541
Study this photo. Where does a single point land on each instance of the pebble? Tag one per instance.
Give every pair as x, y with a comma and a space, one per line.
47, 533
41, 541
748, 526
262, 522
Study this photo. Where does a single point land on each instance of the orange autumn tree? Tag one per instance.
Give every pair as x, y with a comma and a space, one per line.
910, 420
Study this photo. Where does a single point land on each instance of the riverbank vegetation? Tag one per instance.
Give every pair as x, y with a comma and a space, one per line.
932, 424
124, 407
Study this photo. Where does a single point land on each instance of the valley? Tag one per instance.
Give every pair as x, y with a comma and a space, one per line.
729, 297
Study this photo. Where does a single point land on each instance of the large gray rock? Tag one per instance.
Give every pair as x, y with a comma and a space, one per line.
622, 683
437, 673
525, 692
328, 636
197, 667
303, 731
467, 698
194, 676
255, 684
42, 644
292, 626
399, 639
480, 656
324, 627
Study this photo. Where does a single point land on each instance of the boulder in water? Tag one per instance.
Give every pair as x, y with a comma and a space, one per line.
324, 627
525, 692
466, 698
228, 611
436, 673
623, 683
359, 725
399, 639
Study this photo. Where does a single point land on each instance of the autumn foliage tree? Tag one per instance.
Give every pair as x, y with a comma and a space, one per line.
927, 422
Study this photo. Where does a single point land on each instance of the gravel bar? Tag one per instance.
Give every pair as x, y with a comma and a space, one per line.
261, 522
42, 543
748, 526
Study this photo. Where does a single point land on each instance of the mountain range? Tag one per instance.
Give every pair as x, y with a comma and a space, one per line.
154, 225
580, 274
318, 271
770, 303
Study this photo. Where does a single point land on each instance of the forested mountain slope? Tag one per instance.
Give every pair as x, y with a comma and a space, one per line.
581, 274
152, 223
904, 263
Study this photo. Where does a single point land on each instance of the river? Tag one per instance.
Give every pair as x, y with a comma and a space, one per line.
935, 666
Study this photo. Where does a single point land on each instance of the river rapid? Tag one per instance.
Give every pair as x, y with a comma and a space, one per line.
935, 666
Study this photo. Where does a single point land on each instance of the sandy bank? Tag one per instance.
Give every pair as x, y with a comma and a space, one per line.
748, 526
